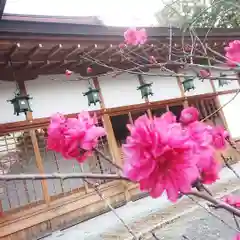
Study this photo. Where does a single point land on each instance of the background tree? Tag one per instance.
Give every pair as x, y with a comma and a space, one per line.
211, 13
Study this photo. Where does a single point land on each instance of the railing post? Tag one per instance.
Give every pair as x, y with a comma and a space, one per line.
37, 153
39, 164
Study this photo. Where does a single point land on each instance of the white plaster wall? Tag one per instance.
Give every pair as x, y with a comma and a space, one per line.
163, 87
7, 90
56, 93
200, 87
233, 84
232, 113
120, 90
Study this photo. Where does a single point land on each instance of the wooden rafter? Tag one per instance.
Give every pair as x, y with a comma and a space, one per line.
34, 51
54, 51
2, 7
13, 51
74, 50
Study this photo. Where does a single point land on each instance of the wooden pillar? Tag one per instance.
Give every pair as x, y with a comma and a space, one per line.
114, 150
37, 153
221, 113
108, 127
185, 102
149, 112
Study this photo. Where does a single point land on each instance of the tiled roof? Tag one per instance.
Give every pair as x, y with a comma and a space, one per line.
90, 20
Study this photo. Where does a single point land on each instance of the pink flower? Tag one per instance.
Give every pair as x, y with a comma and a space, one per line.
233, 53
189, 115
68, 72
89, 70
204, 73
74, 137
56, 132
203, 146
158, 155
210, 173
141, 36
232, 200
134, 37
237, 237
121, 45
131, 36
219, 135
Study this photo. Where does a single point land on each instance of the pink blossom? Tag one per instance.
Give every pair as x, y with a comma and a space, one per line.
210, 173
89, 70
68, 72
134, 37
141, 36
189, 115
131, 36
232, 200
204, 147
121, 45
219, 135
158, 155
204, 73
233, 53
237, 237
74, 137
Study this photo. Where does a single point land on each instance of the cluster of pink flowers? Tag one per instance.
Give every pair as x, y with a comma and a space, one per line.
134, 37
233, 53
162, 154
74, 137
237, 237
232, 200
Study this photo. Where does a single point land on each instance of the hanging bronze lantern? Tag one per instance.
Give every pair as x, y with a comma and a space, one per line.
146, 89
21, 104
188, 84
223, 80
92, 95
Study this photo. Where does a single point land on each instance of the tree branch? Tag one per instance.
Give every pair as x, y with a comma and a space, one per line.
217, 203
9, 177
108, 159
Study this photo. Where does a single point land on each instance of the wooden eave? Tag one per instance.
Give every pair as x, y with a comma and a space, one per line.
2, 7
34, 48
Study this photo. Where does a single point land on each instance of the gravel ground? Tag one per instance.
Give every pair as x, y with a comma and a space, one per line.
200, 225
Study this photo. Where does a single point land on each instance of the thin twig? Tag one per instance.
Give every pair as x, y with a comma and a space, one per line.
236, 222
220, 108
63, 176
226, 161
212, 200
154, 236
100, 194
213, 214
185, 237
108, 159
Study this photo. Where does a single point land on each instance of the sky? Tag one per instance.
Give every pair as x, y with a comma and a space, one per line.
112, 12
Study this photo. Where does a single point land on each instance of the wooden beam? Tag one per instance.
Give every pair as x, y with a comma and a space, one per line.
185, 103
34, 51
45, 64
2, 7
43, 122
13, 51
54, 51
73, 51
28, 64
